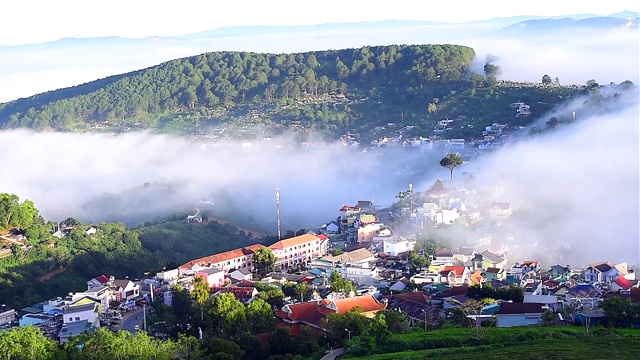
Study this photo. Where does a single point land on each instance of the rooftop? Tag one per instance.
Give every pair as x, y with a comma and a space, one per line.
225, 256
294, 241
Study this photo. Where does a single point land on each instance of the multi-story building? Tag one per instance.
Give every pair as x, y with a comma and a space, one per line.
299, 250
233, 259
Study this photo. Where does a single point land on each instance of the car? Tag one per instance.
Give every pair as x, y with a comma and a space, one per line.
137, 327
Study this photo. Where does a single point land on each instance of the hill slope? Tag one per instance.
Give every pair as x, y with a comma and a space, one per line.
330, 92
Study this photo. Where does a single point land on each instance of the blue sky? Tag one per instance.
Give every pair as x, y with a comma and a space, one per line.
34, 21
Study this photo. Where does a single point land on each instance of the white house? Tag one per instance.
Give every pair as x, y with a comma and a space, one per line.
445, 216
398, 245
7, 315
241, 274
518, 314
443, 257
88, 312
99, 294
603, 272
454, 275
361, 274
500, 211
123, 290
428, 211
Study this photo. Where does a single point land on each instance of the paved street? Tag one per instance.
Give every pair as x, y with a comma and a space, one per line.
130, 320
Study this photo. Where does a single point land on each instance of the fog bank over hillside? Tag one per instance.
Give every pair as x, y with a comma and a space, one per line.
139, 176
573, 55
574, 191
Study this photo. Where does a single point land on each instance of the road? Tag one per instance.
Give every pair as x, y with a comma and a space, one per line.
130, 321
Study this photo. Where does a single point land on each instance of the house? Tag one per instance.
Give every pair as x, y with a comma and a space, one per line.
362, 274
500, 211
526, 269
226, 261
366, 207
464, 254
454, 275
312, 313
442, 257
518, 314
584, 295
477, 277
356, 257
428, 212
416, 306
331, 228
99, 282
37, 319
492, 273
124, 290
446, 216
99, 294
299, 250
397, 246
241, 274
244, 294
74, 328
559, 272
601, 272
7, 315
212, 276
88, 312
620, 283
487, 259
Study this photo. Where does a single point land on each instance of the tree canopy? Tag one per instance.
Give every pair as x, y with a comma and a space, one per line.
451, 161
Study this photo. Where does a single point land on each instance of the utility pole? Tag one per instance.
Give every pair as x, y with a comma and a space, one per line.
410, 199
278, 211
144, 317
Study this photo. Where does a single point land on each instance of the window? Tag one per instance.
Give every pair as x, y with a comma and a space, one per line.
70, 319
77, 318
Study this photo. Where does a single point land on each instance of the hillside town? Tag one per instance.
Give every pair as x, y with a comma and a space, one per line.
382, 252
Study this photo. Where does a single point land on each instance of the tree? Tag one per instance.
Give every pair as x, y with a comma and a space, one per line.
472, 310
416, 260
228, 313
26, 342
451, 161
548, 317
263, 259
491, 70
200, 294
620, 313
340, 284
260, 316
546, 80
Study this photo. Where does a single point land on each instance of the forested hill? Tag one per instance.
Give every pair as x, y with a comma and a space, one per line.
244, 95
212, 85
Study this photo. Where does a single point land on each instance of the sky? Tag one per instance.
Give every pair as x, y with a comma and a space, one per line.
35, 21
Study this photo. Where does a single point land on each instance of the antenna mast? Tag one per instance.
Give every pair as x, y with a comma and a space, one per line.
278, 210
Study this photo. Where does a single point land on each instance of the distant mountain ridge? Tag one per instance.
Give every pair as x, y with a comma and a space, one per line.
601, 22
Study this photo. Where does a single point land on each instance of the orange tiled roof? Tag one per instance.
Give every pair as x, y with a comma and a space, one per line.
312, 312
476, 277
458, 270
225, 256
294, 241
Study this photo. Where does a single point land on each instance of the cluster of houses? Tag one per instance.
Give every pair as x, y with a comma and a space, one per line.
366, 250
78, 312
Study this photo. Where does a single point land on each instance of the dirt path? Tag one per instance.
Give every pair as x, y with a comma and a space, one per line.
51, 274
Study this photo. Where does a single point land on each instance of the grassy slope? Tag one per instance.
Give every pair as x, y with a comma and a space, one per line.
525, 342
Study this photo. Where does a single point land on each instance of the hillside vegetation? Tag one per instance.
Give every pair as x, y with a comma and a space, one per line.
36, 265
330, 92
